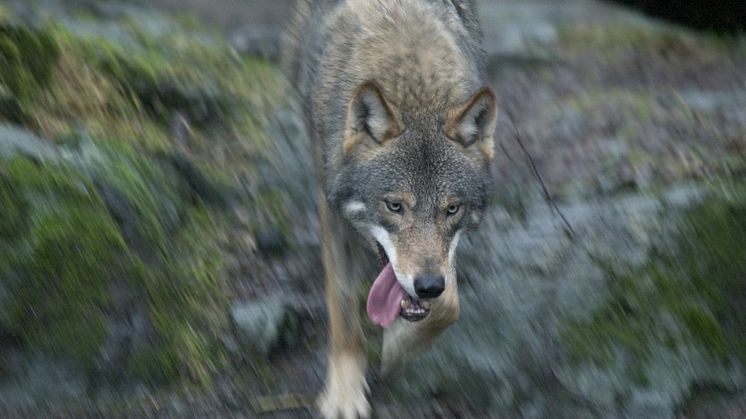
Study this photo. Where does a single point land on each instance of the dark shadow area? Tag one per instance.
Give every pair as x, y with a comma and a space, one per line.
716, 15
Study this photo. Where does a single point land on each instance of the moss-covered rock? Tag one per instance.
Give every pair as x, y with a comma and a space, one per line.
187, 301
111, 238
64, 250
684, 298
66, 247
26, 59
204, 82
121, 151
712, 252
14, 208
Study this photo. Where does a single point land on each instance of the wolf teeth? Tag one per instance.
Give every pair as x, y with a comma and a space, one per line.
425, 304
405, 303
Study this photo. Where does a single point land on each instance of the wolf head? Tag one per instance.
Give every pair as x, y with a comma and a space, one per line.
412, 183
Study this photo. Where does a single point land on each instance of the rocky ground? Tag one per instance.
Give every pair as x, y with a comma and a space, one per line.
159, 253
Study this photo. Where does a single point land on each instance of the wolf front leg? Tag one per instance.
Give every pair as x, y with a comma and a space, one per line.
344, 395
404, 339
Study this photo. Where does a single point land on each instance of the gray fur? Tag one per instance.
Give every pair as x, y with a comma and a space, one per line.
394, 100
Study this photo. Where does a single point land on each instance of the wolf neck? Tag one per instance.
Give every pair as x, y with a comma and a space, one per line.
408, 47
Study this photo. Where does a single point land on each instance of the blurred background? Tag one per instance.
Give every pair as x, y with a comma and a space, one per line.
159, 252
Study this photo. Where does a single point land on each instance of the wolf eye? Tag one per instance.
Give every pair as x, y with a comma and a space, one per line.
453, 209
393, 206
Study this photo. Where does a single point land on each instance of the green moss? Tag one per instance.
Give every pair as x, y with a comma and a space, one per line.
62, 262
206, 83
186, 299
78, 96
71, 249
12, 222
686, 296
26, 59
704, 328
712, 253
270, 209
157, 366
178, 247
155, 193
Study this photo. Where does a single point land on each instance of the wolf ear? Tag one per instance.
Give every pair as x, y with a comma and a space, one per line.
473, 123
369, 116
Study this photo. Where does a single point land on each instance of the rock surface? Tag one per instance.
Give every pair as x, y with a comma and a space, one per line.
260, 323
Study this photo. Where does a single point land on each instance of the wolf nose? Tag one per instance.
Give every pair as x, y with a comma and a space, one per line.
429, 286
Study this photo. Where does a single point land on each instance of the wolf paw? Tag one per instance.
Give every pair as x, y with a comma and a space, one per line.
345, 393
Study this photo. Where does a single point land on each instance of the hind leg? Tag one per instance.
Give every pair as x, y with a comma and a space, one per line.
344, 395
404, 339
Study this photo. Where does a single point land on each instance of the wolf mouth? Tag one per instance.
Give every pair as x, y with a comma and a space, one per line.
388, 300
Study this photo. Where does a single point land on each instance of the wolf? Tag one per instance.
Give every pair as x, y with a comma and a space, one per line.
401, 124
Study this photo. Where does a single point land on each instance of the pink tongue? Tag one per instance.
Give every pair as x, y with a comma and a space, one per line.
384, 299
